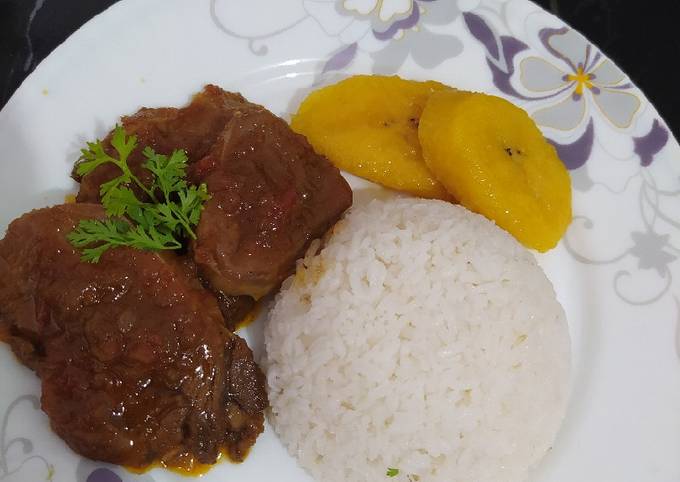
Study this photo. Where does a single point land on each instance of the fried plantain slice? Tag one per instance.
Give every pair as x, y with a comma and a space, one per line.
492, 157
367, 125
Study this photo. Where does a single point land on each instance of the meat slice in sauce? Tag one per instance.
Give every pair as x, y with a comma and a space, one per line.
195, 129
135, 361
271, 193
271, 196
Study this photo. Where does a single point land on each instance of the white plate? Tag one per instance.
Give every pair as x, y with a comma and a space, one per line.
615, 272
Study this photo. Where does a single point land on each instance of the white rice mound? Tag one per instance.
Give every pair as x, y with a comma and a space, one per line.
421, 338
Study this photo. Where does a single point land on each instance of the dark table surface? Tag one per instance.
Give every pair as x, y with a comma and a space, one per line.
640, 36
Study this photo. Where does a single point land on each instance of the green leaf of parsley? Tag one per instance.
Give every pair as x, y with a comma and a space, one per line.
172, 210
120, 201
392, 472
170, 171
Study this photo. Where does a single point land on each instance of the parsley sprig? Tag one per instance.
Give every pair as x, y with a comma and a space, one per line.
168, 216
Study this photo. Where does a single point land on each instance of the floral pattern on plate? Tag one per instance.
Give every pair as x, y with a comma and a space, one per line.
389, 31
28, 462
570, 88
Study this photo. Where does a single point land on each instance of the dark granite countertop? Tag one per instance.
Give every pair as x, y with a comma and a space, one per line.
639, 36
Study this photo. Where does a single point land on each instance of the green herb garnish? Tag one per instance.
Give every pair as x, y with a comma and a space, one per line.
392, 472
173, 209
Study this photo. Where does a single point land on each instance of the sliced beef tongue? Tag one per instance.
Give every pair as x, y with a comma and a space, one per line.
271, 196
135, 361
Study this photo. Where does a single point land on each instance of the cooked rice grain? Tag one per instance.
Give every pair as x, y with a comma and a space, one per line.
422, 338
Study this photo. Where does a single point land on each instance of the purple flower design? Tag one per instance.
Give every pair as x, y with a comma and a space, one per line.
90, 471
501, 51
403, 24
647, 146
387, 17
368, 23
389, 31
571, 82
103, 475
577, 76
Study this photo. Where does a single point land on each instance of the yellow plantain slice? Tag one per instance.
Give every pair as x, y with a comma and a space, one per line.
368, 125
495, 161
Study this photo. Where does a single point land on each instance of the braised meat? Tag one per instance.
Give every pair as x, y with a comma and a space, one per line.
271, 196
194, 128
271, 193
135, 361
